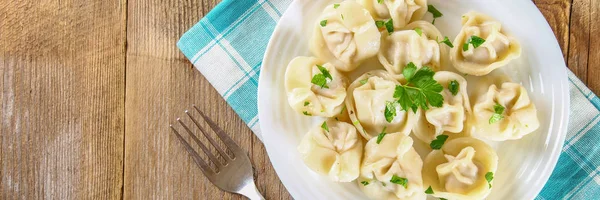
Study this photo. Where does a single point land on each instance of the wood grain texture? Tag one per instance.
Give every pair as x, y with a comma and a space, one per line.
593, 57
62, 67
161, 85
557, 14
579, 39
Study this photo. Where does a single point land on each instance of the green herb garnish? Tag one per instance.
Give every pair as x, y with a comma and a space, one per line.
336, 5
435, 12
429, 190
321, 79
381, 135
399, 180
419, 31
489, 177
475, 41
365, 183
324, 126
379, 24
306, 103
364, 81
379, 1
497, 116
421, 89
453, 87
438, 142
389, 25
323, 23
390, 110
447, 42
306, 113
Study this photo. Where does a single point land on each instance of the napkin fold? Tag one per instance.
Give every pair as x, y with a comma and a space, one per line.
228, 44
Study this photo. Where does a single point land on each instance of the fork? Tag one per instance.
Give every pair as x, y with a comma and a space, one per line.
235, 174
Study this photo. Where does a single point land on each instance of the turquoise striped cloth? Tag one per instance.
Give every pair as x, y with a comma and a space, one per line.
234, 37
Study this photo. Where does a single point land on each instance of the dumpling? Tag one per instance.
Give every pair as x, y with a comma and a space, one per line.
453, 113
401, 12
459, 169
345, 36
506, 113
496, 51
391, 169
314, 88
333, 149
407, 45
368, 97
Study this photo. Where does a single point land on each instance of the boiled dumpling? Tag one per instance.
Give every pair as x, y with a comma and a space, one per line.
453, 113
506, 113
459, 169
367, 99
401, 12
345, 35
391, 169
314, 88
407, 45
496, 51
333, 149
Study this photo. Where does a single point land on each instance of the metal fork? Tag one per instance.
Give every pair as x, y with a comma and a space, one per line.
233, 175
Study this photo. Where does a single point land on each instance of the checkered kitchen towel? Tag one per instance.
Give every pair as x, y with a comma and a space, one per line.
234, 37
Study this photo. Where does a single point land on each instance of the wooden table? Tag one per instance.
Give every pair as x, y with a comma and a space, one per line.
89, 87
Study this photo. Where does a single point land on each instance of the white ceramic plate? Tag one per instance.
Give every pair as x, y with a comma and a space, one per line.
524, 166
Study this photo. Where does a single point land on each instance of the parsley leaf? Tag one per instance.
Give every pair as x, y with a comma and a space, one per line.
429, 190
342, 16
443, 199
323, 23
325, 72
389, 25
382, 183
435, 12
379, 1
381, 135
438, 142
320, 80
419, 31
453, 87
489, 177
474, 40
399, 180
420, 91
306, 113
447, 42
324, 126
379, 24
336, 5
306, 103
390, 110
497, 116
364, 81
409, 71
365, 183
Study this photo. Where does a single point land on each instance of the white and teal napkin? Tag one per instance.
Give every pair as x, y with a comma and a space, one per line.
228, 44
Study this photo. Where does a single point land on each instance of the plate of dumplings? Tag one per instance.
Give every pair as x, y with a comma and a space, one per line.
413, 99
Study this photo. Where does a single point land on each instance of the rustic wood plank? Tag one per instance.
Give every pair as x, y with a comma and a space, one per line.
557, 13
594, 47
579, 39
161, 84
62, 67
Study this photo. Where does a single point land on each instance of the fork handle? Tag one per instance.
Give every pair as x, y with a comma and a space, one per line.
250, 191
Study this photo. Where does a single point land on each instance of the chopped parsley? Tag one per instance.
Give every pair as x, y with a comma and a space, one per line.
364, 81
379, 24
497, 116
381, 135
323, 23
306, 113
453, 86
379, 1
365, 183
324, 126
389, 25
342, 16
343, 108
435, 12
489, 177
438, 142
475, 41
419, 31
336, 5
306, 103
447, 42
421, 89
355, 122
443, 199
390, 110
382, 183
399, 180
321, 79
429, 190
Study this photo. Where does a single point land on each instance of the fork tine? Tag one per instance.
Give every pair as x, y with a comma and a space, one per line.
206, 151
224, 137
197, 159
210, 139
